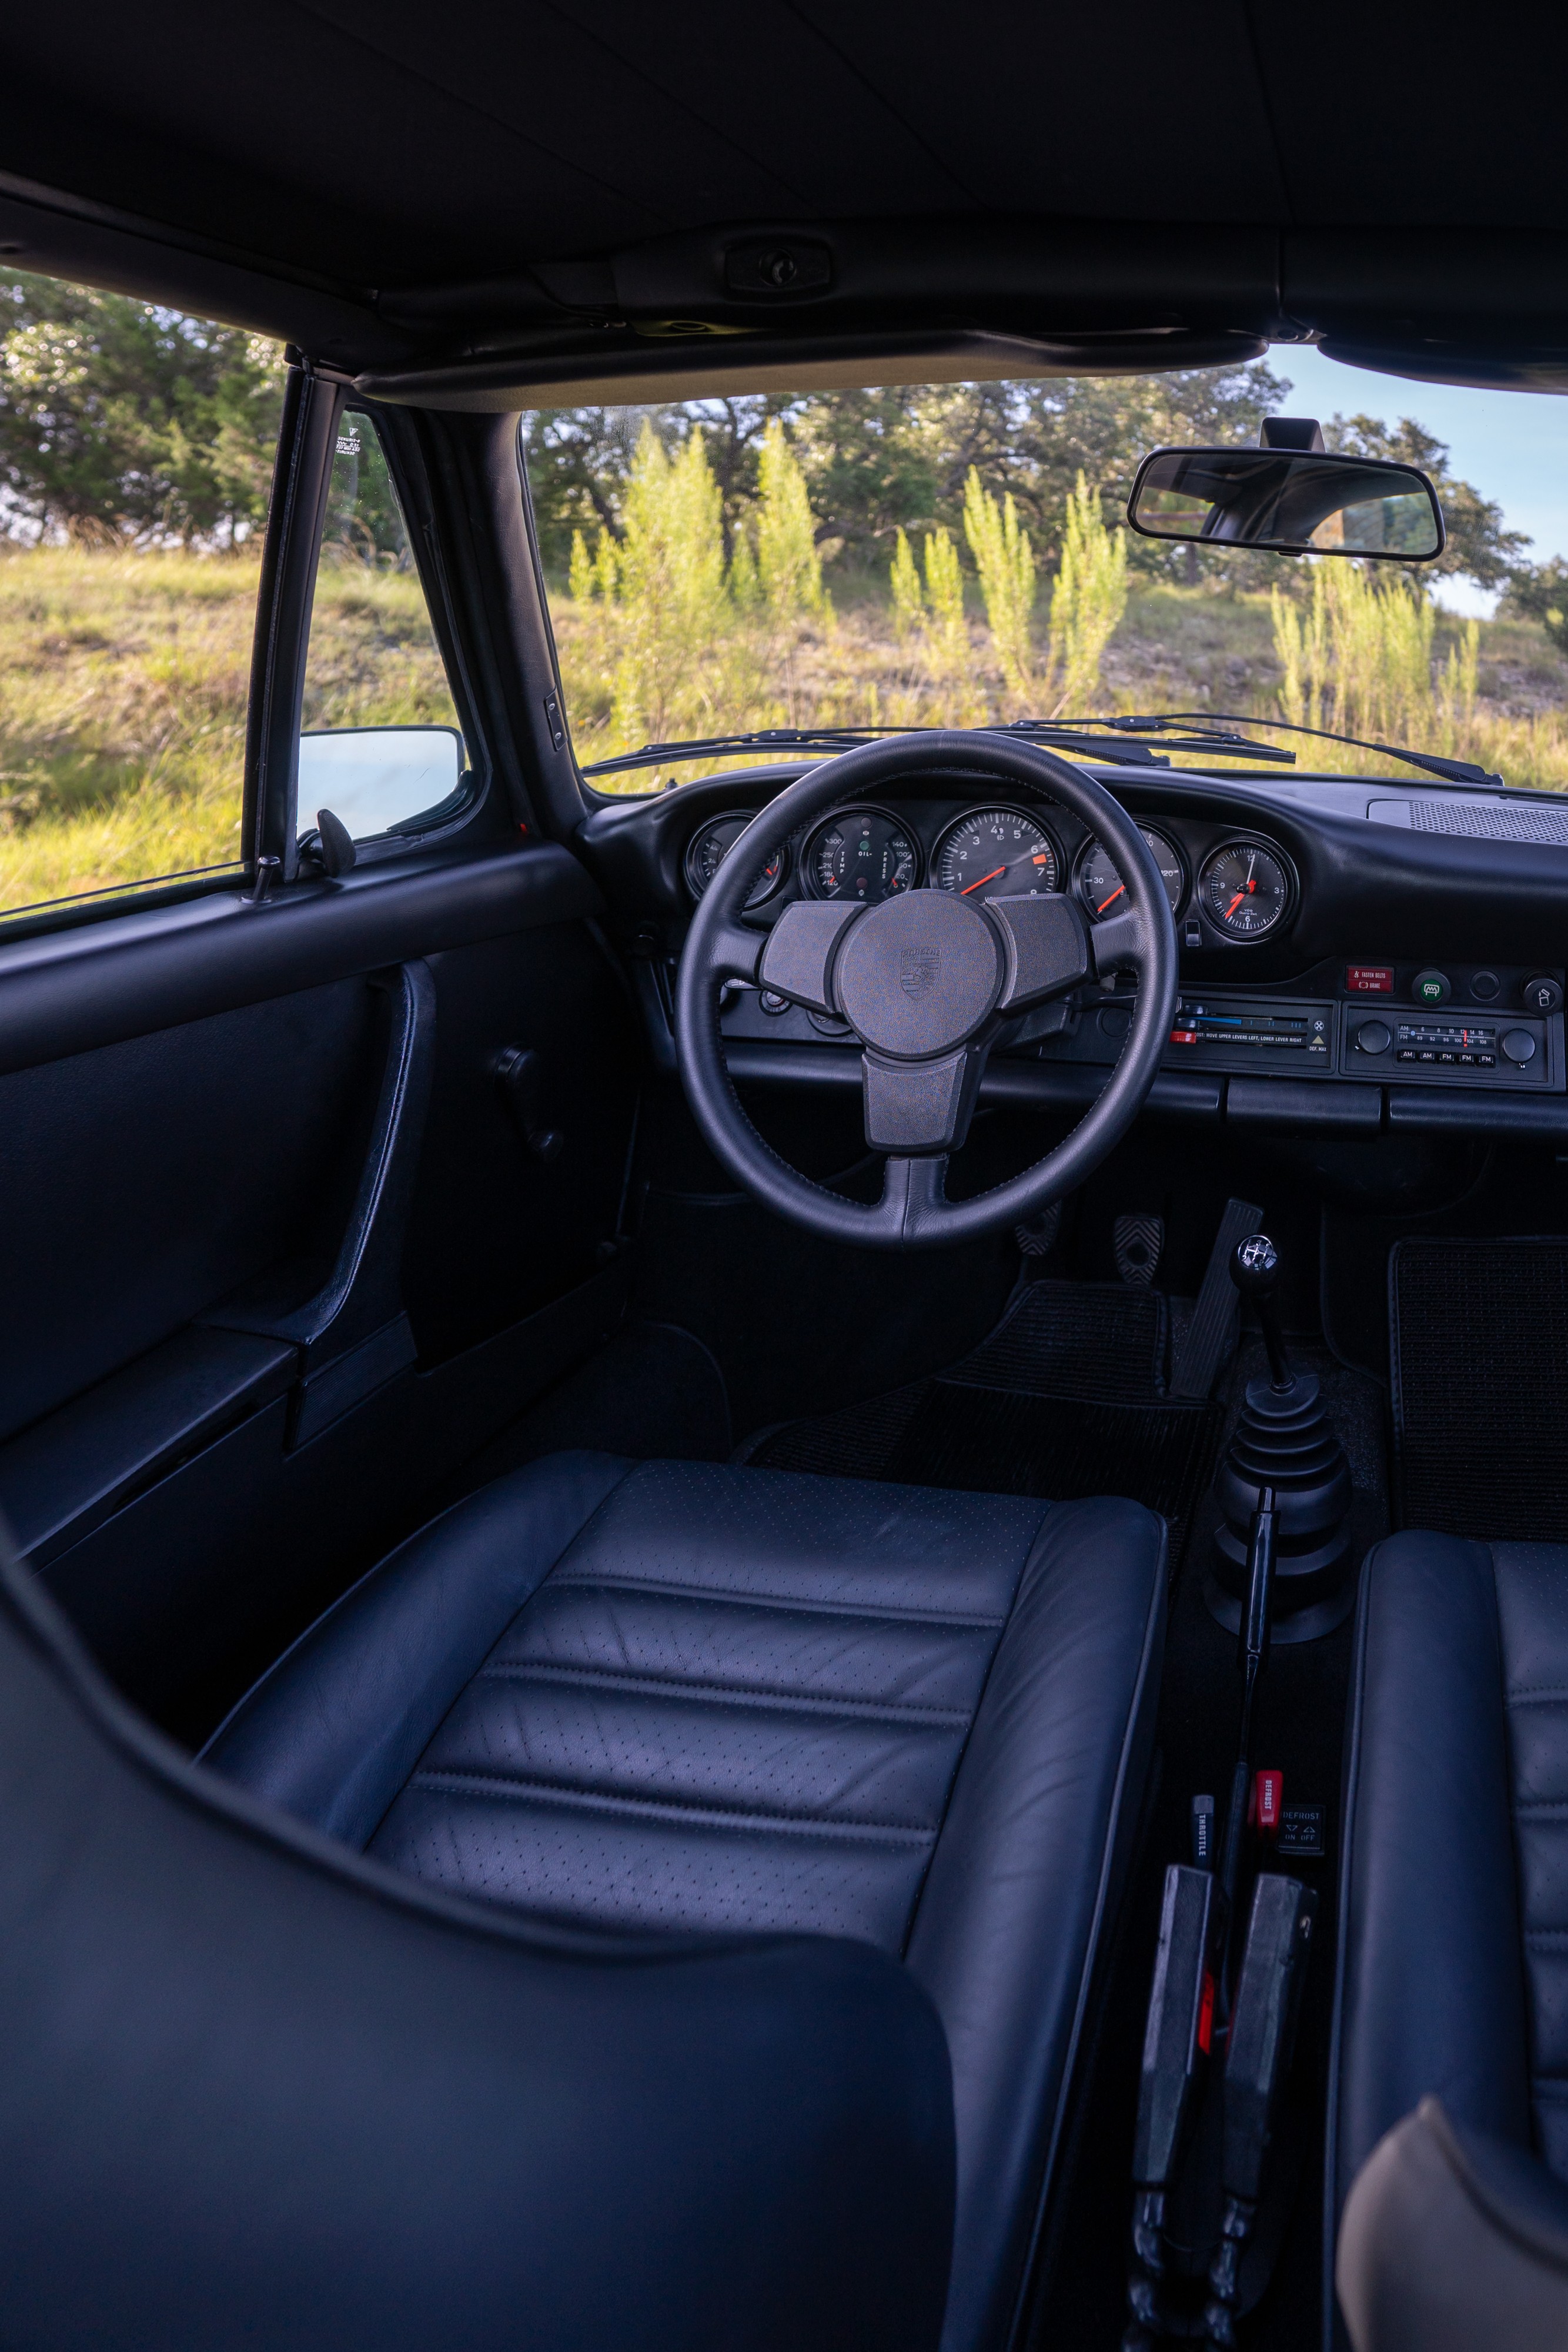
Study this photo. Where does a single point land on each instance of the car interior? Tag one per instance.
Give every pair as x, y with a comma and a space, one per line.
820, 1597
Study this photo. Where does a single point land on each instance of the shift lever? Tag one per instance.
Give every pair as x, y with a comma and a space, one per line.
1255, 1271
1283, 1447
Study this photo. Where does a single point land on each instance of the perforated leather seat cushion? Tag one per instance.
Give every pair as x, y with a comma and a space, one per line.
682, 1695
1454, 1945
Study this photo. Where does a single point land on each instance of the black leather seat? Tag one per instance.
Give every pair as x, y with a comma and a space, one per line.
1453, 1970
679, 1697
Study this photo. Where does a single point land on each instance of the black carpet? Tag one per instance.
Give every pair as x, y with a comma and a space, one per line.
1066, 1398
1478, 1357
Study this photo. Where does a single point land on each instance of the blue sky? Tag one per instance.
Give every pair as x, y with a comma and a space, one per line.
1513, 445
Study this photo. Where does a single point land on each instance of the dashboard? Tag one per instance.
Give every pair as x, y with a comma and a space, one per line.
1358, 955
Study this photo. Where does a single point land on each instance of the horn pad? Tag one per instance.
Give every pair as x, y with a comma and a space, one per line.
918, 974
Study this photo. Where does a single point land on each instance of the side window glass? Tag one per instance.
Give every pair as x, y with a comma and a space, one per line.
136, 455
379, 745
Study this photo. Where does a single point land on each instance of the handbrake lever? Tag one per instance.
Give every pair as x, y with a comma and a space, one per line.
1176, 2042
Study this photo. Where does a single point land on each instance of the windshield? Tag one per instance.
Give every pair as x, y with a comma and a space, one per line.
957, 555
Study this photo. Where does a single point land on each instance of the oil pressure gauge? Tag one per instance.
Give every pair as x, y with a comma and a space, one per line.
1246, 889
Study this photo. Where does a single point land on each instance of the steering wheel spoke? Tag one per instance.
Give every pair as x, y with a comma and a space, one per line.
919, 1107
734, 954
798, 959
914, 1194
1047, 944
1119, 944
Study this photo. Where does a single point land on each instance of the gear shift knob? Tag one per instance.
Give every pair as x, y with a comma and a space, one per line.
1255, 1271
1255, 1267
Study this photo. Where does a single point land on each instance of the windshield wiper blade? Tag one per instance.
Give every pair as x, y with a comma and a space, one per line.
1206, 739
1121, 751
1451, 772
765, 739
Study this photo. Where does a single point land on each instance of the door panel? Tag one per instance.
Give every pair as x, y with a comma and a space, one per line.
198, 1452
140, 1183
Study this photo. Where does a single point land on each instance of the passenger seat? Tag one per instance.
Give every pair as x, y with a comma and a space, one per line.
1453, 1960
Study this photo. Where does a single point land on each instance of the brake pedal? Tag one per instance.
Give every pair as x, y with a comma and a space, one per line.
1139, 1244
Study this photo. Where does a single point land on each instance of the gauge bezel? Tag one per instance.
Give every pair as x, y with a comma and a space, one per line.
1091, 842
1286, 866
688, 863
998, 808
836, 816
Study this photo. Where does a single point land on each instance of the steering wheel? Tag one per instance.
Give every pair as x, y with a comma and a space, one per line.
926, 981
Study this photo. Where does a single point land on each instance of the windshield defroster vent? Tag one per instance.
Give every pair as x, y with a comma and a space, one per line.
1479, 820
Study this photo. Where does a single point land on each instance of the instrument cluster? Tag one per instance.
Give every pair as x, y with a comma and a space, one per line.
1242, 886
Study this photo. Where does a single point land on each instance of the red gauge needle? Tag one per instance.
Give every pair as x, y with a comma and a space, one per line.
1236, 900
1112, 900
981, 883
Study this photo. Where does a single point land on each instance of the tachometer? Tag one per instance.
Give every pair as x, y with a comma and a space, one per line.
1245, 890
1102, 888
711, 844
997, 853
862, 854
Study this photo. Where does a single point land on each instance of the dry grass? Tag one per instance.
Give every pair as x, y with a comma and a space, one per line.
1176, 648
123, 680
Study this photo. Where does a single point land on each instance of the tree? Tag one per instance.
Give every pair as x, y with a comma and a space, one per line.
1539, 593
1477, 545
122, 421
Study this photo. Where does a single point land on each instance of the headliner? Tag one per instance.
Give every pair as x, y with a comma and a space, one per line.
492, 201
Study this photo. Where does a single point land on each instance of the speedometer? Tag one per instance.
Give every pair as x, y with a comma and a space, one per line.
997, 853
1102, 888
862, 854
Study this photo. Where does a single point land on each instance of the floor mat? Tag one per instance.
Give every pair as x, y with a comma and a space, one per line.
1478, 1354
1064, 1398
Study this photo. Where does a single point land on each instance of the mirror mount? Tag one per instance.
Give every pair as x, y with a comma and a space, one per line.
1292, 433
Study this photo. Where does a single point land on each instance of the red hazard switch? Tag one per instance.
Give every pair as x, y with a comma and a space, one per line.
1267, 1807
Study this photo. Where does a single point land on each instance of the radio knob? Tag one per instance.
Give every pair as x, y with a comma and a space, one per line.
1519, 1046
1373, 1037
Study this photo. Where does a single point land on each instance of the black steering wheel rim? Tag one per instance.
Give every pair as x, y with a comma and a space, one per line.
913, 1212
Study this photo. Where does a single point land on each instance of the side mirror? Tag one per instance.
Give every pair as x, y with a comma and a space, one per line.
377, 779
1293, 499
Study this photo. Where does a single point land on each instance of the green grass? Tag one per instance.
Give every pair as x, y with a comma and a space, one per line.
123, 682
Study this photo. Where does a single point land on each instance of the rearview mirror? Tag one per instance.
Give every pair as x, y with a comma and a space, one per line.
1293, 501
374, 778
